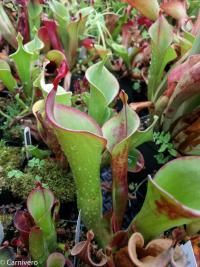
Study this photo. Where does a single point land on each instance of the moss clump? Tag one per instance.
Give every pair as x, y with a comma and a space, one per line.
21, 183
9, 159
52, 175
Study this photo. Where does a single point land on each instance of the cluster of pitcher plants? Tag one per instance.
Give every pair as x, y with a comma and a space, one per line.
81, 123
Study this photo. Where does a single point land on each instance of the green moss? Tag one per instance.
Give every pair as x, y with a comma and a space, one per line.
21, 183
57, 179
9, 159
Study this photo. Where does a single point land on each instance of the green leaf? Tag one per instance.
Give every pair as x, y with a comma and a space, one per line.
82, 142
193, 228
6, 76
56, 260
15, 173
36, 162
124, 125
103, 52
145, 35
40, 203
46, 131
38, 153
172, 152
161, 158
38, 178
23, 66
169, 56
122, 52
161, 34
136, 86
34, 13
189, 36
7, 30
185, 45
37, 246
60, 12
104, 87
149, 8
166, 137
172, 198
34, 47
163, 148
69, 31
196, 45
187, 90
74, 30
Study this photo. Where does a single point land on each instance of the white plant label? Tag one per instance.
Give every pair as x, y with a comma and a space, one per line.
188, 249
27, 140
